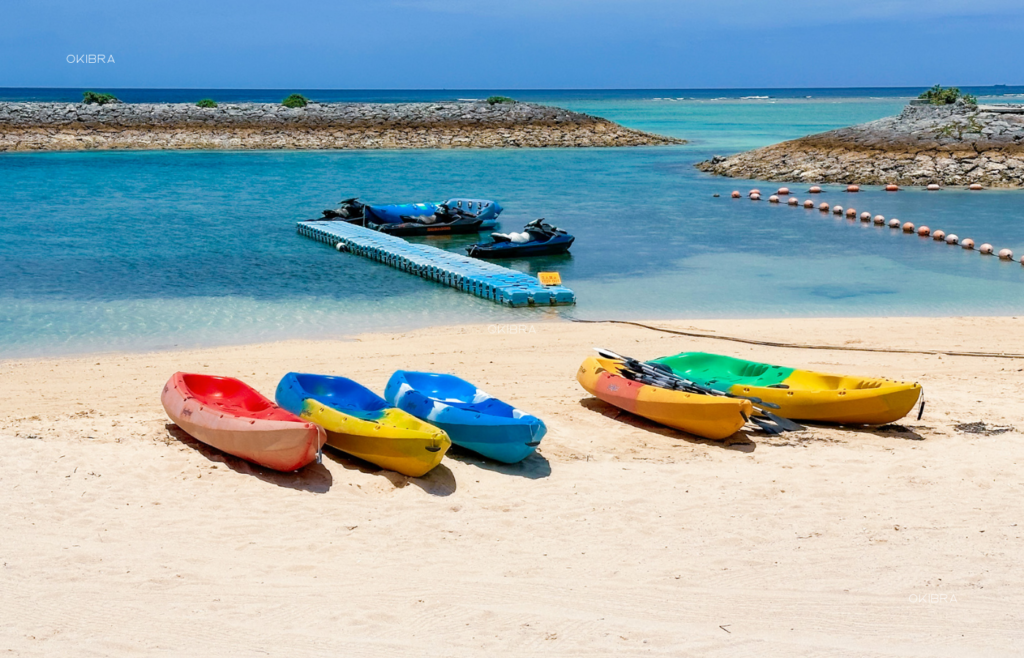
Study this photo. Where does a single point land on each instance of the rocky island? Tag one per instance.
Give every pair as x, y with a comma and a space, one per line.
955, 144
79, 126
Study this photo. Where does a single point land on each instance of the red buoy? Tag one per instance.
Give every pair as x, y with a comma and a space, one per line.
853, 188
892, 188
923, 231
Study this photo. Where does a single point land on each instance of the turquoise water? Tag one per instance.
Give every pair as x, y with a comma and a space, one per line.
151, 250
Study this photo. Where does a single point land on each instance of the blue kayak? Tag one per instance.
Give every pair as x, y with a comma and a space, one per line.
399, 213
363, 424
473, 419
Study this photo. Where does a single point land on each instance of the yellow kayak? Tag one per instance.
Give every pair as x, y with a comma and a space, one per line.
801, 394
702, 415
362, 424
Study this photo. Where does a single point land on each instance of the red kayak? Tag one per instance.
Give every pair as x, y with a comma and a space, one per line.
230, 415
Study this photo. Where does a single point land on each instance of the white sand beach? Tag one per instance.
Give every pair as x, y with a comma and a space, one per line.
122, 536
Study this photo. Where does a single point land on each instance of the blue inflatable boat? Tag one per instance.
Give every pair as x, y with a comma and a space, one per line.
400, 213
473, 419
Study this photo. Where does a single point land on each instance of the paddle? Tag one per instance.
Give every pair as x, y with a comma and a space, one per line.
656, 374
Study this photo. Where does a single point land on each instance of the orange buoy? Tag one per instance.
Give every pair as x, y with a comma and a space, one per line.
851, 213
814, 189
892, 188
773, 199
755, 197
783, 191
879, 220
1006, 254
808, 204
793, 201
823, 207
952, 238
986, 249
939, 235
967, 243
894, 223
933, 187
908, 227
838, 210
975, 187
853, 188
736, 194
865, 216
923, 231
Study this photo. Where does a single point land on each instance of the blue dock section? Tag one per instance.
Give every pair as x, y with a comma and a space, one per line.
471, 275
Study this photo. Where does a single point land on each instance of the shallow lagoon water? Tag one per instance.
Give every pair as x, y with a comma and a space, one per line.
150, 250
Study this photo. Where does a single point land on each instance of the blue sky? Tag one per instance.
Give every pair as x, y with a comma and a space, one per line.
466, 44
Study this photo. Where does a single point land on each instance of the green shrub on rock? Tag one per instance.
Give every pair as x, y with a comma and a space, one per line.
295, 100
938, 95
92, 98
495, 100
207, 102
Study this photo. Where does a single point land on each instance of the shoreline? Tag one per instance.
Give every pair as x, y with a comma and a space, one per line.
268, 126
619, 536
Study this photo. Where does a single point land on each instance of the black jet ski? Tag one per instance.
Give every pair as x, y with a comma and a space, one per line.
444, 221
350, 210
537, 239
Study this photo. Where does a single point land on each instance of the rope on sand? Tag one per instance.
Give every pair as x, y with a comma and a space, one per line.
797, 346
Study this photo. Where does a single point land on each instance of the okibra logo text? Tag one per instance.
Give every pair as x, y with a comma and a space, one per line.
90, 59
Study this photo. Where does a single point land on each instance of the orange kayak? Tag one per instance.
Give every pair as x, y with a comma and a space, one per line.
230, 415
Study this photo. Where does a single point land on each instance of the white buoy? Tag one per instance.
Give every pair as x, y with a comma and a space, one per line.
879, 220
837, 210
933, 187
894, 223
952, 238
986, 249
773, 199
1006, 254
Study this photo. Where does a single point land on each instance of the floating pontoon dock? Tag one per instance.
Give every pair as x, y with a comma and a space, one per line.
471, 275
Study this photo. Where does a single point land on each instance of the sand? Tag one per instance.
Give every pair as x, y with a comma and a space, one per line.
121, 536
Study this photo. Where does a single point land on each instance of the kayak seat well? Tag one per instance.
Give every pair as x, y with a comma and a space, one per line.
707, 369
232, 396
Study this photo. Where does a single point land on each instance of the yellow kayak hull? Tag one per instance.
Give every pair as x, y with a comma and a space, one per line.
824, 398
395, 440
705, 416
800, 394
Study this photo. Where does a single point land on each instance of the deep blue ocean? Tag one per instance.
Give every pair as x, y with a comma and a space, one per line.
152, 250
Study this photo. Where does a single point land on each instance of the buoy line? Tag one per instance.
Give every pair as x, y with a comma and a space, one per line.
985, 249
798, 346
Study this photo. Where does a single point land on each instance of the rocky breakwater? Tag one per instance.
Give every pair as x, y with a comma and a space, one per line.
76, 126
956, 144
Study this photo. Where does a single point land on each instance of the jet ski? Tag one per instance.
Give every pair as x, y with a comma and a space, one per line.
444, 221
353, 211
350, 210
537, 239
